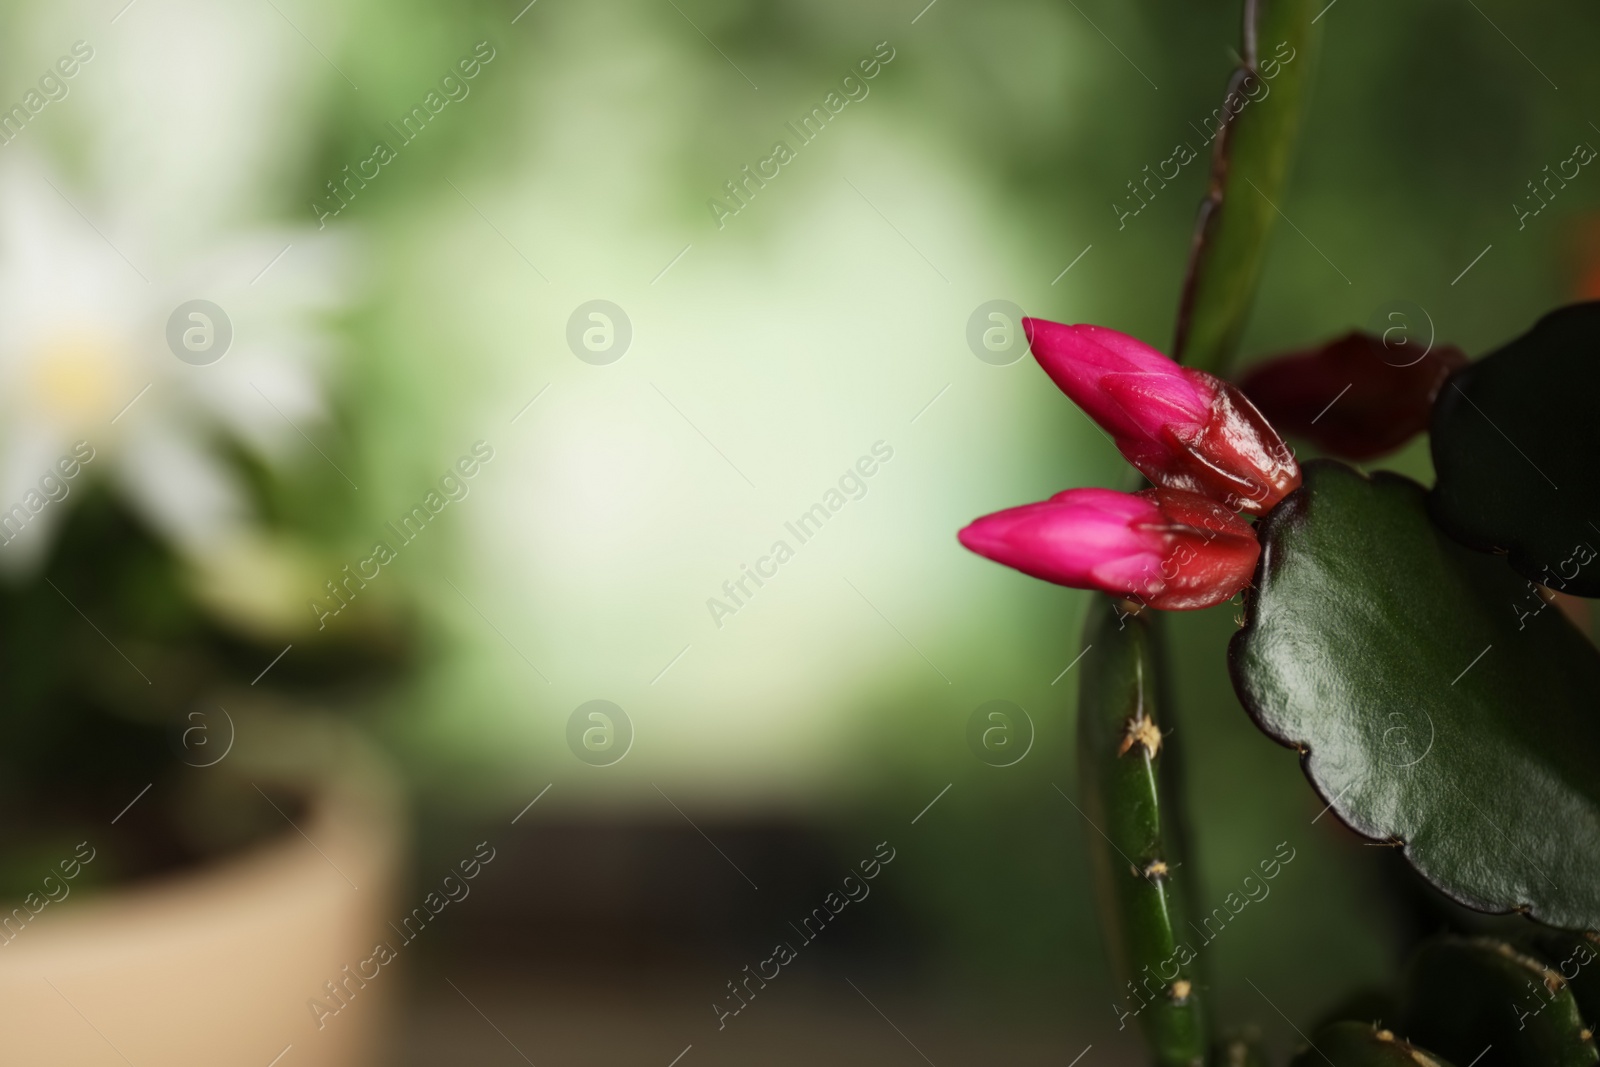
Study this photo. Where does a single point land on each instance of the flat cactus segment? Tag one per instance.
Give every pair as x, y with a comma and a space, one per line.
1353, 1044
1478, 996
1426, 712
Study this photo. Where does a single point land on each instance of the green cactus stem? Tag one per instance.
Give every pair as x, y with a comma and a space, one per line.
1239, 1050
1468, 995
1128, 796
1353, 1044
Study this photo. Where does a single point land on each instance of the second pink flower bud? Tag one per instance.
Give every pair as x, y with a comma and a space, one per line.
1167, 548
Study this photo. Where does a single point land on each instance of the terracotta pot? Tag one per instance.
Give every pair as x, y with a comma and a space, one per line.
218, 965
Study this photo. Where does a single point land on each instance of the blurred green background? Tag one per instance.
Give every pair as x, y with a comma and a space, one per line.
767, 355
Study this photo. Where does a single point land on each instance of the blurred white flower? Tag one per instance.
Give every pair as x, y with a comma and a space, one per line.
84, 355
181, 126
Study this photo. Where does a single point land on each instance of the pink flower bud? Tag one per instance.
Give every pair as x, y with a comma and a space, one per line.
1182, 428
1167, 548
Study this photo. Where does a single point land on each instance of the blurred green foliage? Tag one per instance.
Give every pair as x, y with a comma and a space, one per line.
1424, 125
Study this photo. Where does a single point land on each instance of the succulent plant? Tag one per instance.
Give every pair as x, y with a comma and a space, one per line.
1395, 635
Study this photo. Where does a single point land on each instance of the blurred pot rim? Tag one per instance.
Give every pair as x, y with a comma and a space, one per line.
351, 832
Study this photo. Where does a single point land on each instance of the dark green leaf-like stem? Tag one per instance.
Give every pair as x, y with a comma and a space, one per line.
1358, 1044
1477, 999
1427, 710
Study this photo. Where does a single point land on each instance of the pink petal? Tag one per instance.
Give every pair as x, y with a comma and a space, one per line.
1150, 402
1066, 538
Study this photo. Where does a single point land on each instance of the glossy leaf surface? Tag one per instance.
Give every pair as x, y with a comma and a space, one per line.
1430, 708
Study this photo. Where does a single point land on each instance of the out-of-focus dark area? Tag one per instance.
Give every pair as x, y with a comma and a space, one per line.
403, 408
